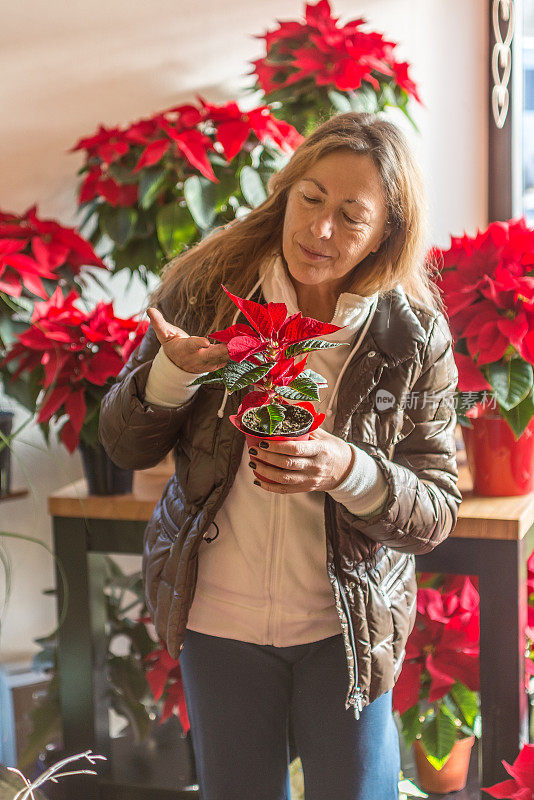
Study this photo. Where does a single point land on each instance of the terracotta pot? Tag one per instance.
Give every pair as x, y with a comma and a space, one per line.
500, 465
452, 776
252, 441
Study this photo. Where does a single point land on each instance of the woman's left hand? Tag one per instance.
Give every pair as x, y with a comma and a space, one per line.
318, 464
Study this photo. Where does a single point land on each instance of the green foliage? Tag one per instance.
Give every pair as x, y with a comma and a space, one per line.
269, 417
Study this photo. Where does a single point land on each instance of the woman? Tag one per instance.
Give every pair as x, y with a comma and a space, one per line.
272, 594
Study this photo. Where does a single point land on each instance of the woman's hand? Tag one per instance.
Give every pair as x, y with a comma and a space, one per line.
318, 464
190, 353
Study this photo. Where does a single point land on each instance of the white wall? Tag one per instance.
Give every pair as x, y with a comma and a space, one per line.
68, 67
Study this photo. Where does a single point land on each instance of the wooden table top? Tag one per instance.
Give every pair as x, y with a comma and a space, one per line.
479, 517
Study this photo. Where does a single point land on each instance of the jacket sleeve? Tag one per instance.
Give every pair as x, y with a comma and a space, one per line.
423, 500
135, 433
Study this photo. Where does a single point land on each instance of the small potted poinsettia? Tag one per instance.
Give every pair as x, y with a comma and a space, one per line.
436, 694
263, 357
487, 283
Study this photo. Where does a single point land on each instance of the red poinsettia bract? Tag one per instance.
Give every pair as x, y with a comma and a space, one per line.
32, 248
444, 643
186, 132
270, 334
520, 786
331, 55
72, 351
487, 283
164, 677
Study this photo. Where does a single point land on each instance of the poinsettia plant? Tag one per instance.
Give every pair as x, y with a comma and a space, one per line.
164, 677
69, 357
487, 282
316, 67
262, 356
520, 784
436, 694
36, 255
161, 183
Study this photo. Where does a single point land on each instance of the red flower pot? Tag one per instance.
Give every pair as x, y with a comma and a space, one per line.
252, 441
500, 465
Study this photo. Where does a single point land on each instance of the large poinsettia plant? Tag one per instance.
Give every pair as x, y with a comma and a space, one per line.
436, 694
316, 67
160, 184
487, 282
69, 358
262, 356
36, 255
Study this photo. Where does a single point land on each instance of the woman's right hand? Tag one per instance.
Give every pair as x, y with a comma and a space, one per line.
190, 353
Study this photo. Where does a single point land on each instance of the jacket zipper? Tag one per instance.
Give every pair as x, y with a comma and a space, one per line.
274, 553
355, 697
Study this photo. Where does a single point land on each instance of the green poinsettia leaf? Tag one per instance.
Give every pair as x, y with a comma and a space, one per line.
201, 196
468, 702
151, 184
118, 223
438, 735
519, 416
252, 186
238, 375
310, 344
410, 724
511, 381
301, 388
270, 416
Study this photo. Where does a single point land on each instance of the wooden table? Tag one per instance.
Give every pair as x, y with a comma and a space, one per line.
493, 538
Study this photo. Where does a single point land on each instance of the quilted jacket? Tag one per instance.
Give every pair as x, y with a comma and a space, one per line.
395, 401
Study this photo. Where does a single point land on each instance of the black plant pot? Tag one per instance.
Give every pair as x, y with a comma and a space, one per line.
103, 476
6, 424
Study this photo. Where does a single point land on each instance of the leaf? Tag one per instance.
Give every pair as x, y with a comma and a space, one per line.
309, 344
150, 184
410, 724
270, 416
519, 416
238, 375
438, 735
118, 224
511, 381
217, 376
200, 196
339, 100
252, 186
301, 388
467, 701
175, 228
320, 380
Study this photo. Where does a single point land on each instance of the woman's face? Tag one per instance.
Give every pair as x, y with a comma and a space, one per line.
335, 216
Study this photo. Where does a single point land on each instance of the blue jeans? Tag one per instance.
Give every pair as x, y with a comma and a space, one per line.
239, 698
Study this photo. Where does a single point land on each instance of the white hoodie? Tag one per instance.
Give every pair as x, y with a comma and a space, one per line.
263, 578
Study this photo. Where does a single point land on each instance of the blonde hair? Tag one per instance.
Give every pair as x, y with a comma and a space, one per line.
232, 254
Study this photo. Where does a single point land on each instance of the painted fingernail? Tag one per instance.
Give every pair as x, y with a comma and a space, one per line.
252, 464
257, 483
264, 445
253, 452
